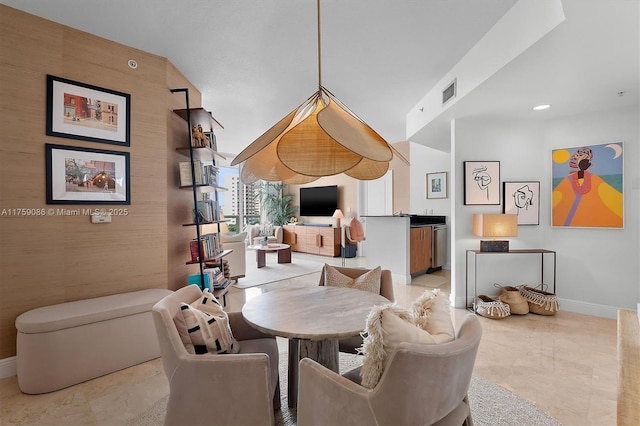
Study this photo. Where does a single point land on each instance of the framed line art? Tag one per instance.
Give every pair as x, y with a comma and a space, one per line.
81, 111
481, 183
523, 200
437, 185
587, 186
78, 175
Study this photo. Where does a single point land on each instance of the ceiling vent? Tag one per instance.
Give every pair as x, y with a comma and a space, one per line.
449, 92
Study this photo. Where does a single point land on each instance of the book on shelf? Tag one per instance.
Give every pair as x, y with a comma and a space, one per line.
206, 211
210, 246
211, 140
222, 285
195, 253
196, 280
185, 172
210, 175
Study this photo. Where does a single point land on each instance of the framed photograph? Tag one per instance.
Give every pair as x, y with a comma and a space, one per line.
481, 182
587, 186
522, 199
437, 185
78, 175
82, 111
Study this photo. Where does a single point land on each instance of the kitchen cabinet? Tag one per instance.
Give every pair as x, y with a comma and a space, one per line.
420, 249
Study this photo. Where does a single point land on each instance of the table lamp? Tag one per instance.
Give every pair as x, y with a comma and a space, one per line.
495, 225
337, 215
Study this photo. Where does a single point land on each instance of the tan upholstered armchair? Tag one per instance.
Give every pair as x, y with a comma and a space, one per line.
422, 384
351, 344
230, 389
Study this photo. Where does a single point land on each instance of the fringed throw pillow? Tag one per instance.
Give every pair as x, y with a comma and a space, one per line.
369, 281
428, 322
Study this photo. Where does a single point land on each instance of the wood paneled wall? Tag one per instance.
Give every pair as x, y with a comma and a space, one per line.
53, 259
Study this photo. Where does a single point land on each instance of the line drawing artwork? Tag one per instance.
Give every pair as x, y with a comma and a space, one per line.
482, 183
482, 178
522, 198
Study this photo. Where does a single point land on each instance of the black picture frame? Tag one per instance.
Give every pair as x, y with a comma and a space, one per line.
481, 182
77, 175
522, 198
83, 111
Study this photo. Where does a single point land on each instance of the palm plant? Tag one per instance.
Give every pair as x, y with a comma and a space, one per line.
276, 203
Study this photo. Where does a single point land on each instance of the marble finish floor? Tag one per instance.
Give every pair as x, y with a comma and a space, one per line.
566, 364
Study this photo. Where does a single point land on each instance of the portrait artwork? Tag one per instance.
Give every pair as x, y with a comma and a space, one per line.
587, 188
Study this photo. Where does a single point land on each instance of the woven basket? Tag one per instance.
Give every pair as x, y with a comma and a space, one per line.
518, 304
540, 302
489, 308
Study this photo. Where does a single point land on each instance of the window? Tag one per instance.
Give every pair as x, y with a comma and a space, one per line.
239, 203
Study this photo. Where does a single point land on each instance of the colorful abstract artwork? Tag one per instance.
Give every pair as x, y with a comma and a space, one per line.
587, 187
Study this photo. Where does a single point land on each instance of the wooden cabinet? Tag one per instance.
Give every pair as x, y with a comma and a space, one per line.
289, 236
321, 240
420, 249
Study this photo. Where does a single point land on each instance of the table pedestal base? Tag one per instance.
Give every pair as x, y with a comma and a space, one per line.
325, 352
261, 258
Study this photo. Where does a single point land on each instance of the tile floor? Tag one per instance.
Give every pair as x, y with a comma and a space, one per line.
566, 364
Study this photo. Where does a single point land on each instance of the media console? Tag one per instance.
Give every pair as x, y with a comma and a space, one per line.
313, 238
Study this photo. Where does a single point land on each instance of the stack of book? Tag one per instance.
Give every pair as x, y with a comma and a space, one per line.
217, 278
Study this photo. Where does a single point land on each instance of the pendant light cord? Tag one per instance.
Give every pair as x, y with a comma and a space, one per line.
319, 50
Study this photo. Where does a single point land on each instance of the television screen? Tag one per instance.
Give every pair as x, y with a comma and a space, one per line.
318, 200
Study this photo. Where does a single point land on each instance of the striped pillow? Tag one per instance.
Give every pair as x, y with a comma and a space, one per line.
204, 327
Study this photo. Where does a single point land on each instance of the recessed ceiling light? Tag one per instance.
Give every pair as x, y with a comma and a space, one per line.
132, 64
541, 107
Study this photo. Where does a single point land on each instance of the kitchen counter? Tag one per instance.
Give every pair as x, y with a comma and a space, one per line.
388, 242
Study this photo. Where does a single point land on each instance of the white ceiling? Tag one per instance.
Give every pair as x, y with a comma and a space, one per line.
256, 60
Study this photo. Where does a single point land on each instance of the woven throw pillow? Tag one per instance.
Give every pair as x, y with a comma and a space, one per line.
427, 322
369, 281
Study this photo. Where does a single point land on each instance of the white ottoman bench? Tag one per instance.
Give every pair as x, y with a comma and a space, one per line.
65, 344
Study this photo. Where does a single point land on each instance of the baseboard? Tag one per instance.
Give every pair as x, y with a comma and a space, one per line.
8, 367
569, 305
587, 308
401, 279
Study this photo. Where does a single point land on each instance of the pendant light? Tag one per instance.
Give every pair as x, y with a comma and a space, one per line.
321, 137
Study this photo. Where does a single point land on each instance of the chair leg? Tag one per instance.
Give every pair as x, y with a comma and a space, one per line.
276, 397
468, 421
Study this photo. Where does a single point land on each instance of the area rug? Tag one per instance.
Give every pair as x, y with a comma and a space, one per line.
274, 271
491, 405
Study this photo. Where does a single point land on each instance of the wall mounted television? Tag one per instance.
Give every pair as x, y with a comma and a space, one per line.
318, 200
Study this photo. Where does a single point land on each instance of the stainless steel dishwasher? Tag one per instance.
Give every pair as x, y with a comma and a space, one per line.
439, 249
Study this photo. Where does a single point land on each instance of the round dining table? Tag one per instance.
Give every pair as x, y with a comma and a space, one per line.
313, 318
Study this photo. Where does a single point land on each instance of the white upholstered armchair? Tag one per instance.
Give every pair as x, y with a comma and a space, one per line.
229, 389
421, 384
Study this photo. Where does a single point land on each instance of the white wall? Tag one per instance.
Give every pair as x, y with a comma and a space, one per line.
427, 160
597, 269
600, 266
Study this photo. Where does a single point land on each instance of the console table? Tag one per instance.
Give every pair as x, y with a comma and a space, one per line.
473, 254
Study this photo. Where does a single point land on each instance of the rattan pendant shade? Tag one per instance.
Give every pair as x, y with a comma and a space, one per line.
321, 137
